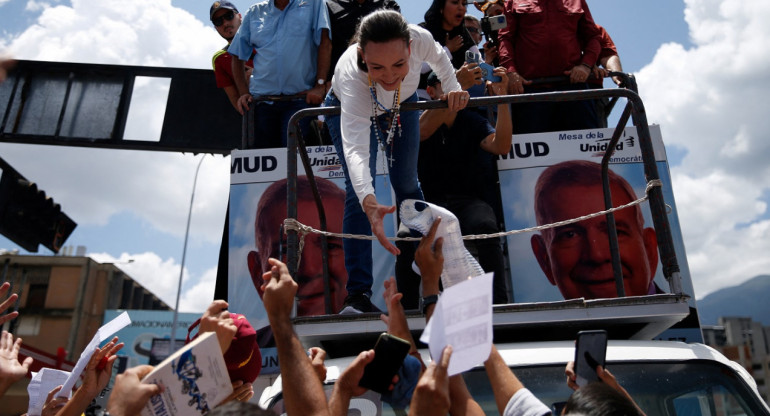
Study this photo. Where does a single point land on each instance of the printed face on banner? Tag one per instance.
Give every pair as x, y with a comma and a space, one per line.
257, 211
551, 177
271, 211
576, 257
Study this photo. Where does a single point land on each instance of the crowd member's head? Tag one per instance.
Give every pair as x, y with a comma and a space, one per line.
225, 17
448, 13
383, 48
599, 399
271, 211
576, 257
433, 88
473, 26
491, 7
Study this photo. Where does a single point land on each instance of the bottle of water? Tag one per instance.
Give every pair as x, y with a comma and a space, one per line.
459, 264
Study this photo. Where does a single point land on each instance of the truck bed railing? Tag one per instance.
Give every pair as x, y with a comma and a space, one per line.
634, 110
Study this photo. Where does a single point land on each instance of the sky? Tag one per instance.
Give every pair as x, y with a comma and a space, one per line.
703, 68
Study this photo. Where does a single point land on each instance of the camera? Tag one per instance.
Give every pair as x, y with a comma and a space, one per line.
487, 71
490, 25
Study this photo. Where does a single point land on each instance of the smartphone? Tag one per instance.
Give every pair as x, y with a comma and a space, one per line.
487, 71
590, 351
389, 354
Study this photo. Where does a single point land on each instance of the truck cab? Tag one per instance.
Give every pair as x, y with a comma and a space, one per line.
665, 378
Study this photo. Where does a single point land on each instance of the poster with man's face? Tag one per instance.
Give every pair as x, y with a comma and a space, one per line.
257, 212
552, 177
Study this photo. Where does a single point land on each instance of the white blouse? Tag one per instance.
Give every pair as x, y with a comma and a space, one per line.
351, 86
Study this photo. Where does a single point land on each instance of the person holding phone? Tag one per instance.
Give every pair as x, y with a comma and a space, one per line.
447, 140
373, 77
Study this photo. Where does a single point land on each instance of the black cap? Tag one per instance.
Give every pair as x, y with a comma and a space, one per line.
221, 5
433, 79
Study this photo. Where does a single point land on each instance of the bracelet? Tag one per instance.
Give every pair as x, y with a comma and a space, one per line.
427, 301
590, 68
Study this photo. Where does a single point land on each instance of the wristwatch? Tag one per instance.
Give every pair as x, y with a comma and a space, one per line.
427, 301
321, 81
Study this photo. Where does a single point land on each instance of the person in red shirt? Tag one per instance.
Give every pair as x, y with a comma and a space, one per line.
544, 39
226, 19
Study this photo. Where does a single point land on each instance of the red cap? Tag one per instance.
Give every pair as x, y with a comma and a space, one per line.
243, 358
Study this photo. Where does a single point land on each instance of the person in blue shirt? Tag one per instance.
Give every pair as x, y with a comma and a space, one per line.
293, 45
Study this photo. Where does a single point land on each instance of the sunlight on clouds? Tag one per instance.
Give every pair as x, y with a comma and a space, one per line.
161, 277
198, 297
34, 6
706, 100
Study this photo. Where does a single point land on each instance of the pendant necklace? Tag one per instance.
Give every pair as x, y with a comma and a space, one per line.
394, 119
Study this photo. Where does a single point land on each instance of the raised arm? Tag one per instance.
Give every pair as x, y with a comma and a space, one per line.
303, 392
499, 142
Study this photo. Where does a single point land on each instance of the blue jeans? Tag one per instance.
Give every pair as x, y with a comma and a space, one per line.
403, 179
271, 122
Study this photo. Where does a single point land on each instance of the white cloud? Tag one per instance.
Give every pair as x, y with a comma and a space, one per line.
161, 277
708, 100
92, 185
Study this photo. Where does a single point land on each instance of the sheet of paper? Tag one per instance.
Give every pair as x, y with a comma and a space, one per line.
106, 331
463, 319
41, 384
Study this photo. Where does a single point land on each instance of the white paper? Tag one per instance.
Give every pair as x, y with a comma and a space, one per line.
463, 319
41, 384
106, 331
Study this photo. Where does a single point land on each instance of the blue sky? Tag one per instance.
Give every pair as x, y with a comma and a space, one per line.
702, 67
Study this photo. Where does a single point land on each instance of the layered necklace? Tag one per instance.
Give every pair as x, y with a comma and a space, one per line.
394, 119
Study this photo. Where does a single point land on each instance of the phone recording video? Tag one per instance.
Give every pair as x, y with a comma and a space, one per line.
389, 354
590, 351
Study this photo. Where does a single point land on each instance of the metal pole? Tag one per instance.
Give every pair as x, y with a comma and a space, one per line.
172, 349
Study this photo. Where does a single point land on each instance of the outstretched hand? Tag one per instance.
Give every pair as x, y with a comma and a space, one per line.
4, 288
218, 320
98, 371
11, 370
279, 291
430, 259
376, 212
431, 396
129, 395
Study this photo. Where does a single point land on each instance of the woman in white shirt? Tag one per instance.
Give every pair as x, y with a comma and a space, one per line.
373, 77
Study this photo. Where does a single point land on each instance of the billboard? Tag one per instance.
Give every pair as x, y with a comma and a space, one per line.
257, 210
542, 265
550, 177
145, 326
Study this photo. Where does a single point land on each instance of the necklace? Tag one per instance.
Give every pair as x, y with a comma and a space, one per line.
394, 119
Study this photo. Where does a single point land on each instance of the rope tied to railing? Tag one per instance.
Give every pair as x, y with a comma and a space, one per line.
302, 229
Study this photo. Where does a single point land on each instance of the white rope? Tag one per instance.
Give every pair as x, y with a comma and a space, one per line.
302, 229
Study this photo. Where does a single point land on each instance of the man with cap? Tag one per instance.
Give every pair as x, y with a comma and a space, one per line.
226, 19
293, 50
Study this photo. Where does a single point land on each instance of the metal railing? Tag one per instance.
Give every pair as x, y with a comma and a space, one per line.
634, 109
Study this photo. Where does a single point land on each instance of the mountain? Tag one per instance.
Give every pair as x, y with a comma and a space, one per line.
747, 299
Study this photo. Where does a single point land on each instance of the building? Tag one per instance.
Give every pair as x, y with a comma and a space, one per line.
61, 304
744, 341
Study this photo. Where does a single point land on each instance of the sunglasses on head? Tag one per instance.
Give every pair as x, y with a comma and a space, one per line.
219, 21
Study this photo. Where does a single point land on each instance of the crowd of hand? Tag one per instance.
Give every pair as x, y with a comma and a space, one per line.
303, 371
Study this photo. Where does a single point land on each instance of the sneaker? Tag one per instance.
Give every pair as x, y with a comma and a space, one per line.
358, 303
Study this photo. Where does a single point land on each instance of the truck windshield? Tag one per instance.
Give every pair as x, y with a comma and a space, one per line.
691, 388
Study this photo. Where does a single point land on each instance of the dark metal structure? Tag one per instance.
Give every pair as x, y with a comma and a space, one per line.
73, 104
634, 109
